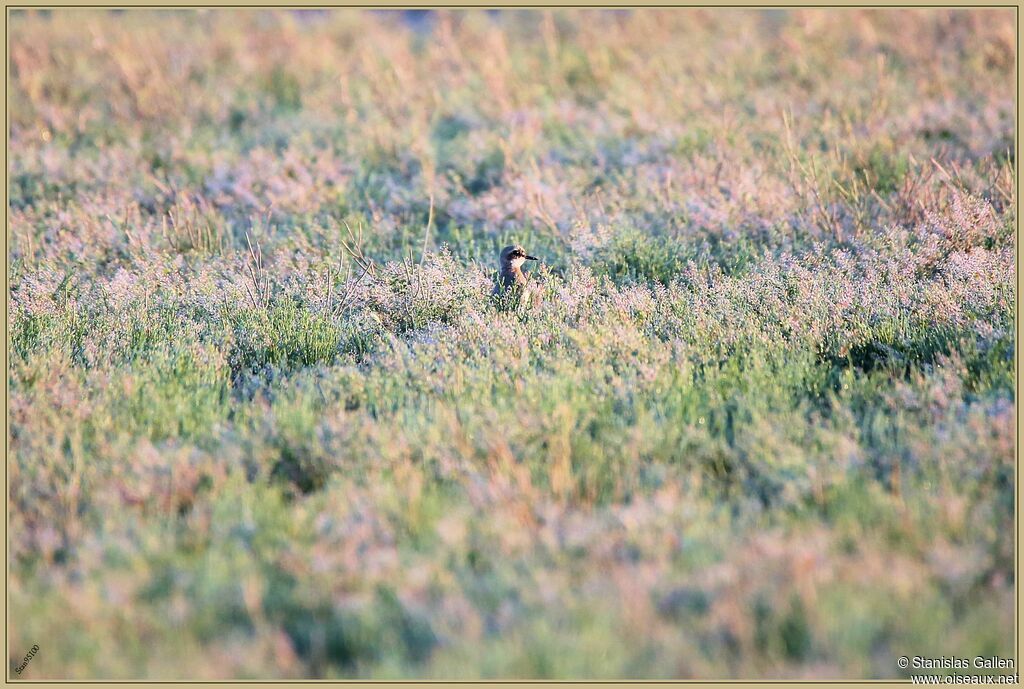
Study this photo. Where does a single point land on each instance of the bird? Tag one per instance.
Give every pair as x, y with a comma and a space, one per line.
511, 278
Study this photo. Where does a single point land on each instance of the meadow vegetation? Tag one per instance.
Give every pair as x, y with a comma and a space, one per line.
265, 419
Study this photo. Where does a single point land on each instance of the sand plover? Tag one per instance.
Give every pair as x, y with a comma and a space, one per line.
511, 278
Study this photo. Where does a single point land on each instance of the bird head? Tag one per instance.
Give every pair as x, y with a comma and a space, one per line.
514, 256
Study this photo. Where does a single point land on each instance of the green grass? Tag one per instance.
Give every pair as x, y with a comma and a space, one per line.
268, 421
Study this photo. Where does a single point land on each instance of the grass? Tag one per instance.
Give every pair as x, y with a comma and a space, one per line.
267, 421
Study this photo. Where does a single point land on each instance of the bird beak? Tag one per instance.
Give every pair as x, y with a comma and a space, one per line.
532, 258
